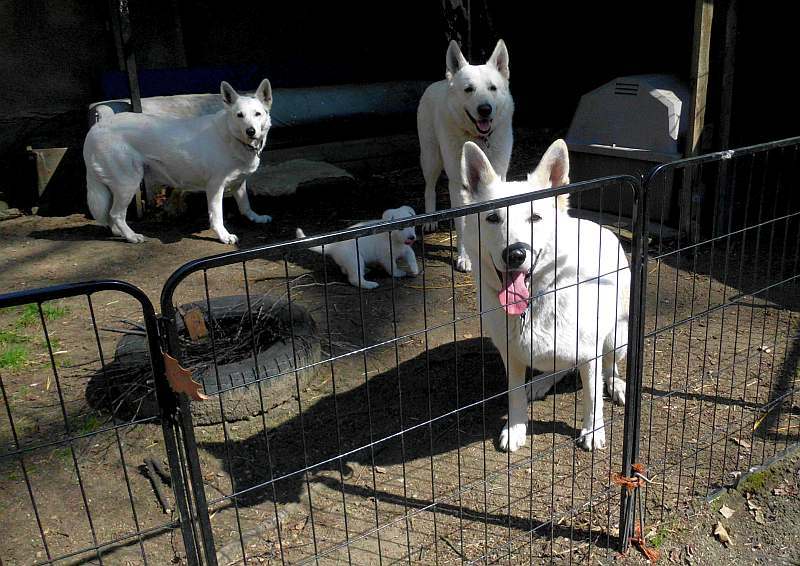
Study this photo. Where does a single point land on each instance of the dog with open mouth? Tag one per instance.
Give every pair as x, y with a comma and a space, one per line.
376, 249
213, 153
554, 291
472, 104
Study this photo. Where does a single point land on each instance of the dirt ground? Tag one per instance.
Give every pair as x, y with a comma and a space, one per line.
718, 397
760, 515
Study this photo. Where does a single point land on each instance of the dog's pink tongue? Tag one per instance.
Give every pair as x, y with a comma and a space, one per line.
484, 126
514, 297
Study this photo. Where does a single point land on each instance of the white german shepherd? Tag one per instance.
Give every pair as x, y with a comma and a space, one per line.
472, 104
209, 153
556, 289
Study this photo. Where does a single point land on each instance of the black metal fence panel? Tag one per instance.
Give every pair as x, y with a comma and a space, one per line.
362, 425
721, 325
89, 467
365, 417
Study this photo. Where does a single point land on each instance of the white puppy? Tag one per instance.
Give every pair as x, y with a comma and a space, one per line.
555, 290
209, 153
374, 249
472, 104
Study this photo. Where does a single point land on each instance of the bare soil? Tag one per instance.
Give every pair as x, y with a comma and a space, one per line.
438, 491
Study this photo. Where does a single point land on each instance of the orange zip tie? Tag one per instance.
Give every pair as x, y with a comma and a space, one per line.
638, 541
630, 484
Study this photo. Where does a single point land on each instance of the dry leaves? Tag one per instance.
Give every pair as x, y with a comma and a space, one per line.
722, 534
180, 379
726, 511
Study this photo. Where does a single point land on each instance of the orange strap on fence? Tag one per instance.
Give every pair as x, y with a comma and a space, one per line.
631, 483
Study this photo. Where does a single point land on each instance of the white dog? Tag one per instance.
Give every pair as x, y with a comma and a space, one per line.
556, 289
374, 249
472, 104
208, 153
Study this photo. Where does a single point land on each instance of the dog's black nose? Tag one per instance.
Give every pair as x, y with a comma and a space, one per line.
515, 254
485, 110
250, 132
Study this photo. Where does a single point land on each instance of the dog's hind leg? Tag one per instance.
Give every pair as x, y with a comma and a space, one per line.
356, 275
243, 202
122, 197
431, 161
615, 385
593, 433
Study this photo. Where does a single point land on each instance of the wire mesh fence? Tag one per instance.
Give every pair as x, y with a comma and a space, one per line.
84, 438
333, 422
377, 438
722, 326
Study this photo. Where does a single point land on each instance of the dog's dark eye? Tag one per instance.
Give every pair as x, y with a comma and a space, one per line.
469, 89
258, 113
240, 114
493, 218
492, 88
534, 218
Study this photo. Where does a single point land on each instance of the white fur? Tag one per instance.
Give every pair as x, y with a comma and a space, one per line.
576, 325
374, 249
445, 120
209, 153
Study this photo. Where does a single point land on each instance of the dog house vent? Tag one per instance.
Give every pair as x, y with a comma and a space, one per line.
626, 88
628, 126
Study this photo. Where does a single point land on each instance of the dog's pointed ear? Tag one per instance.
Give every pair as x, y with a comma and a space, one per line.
499, 58
229, 94
553, 171
455, 60
476, 171
264, 94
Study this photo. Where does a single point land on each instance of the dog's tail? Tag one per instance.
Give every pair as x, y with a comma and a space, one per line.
98, 197
300, 234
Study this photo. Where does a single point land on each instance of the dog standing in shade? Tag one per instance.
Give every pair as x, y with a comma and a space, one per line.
208, 153
472, 104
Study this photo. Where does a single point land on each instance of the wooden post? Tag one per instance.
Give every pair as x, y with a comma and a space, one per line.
692, 196
723, 121
121, 23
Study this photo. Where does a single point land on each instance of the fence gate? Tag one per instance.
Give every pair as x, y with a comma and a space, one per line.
86, 476
361, 425
720, 323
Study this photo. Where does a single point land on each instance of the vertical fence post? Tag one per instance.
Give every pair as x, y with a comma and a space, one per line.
168, 408
633, 377
189, 442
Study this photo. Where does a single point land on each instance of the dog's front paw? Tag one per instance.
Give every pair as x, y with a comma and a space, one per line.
135, 238
463, 264
617, 391
513, 437
229, 239
259, 218
369, 285
429, 227
593, 439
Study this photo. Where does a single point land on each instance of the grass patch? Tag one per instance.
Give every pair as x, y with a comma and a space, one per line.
756, 482
30, 314
9, 338
13, 357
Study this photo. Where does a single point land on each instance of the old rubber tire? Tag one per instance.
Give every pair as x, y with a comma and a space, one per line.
238, 381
